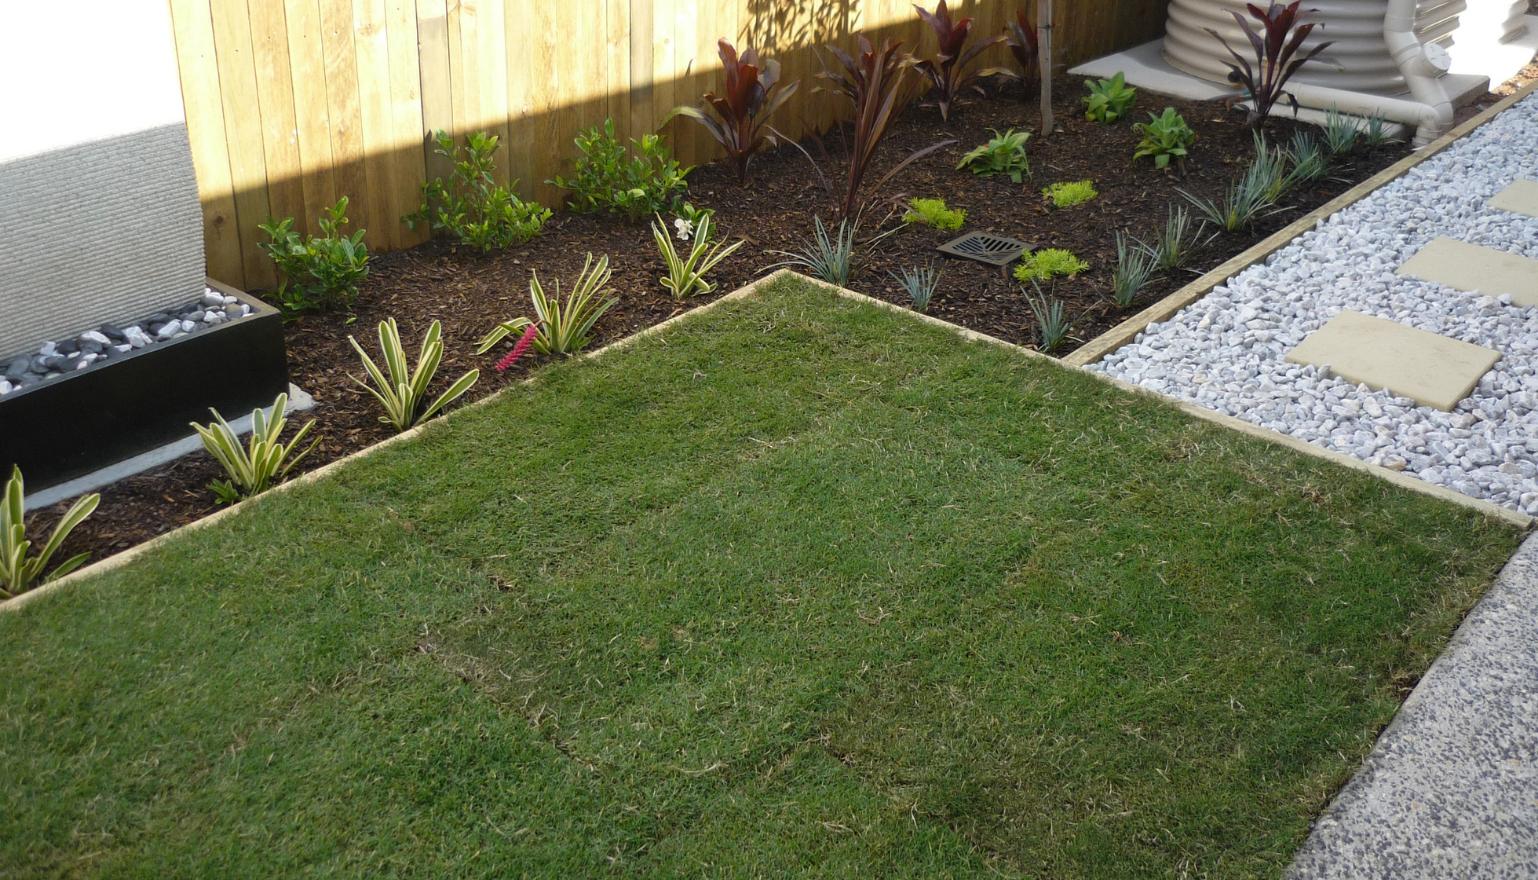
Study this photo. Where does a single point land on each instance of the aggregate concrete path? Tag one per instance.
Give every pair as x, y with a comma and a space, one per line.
1450, 791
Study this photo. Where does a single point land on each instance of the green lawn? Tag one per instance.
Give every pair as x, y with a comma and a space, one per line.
801, 587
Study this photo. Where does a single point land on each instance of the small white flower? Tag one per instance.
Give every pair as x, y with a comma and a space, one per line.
685, 228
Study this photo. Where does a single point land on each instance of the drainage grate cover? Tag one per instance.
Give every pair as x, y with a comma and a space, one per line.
984, 247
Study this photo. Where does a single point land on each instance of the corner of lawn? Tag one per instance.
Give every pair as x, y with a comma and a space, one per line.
798, 586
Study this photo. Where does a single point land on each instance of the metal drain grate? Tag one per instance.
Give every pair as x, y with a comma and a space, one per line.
984, 247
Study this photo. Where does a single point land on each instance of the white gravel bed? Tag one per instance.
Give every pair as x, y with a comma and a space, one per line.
1225, 351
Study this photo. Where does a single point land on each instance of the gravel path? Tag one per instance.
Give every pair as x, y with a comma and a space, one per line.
1225, 351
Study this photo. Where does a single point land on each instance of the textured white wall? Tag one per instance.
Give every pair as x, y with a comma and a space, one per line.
99, 215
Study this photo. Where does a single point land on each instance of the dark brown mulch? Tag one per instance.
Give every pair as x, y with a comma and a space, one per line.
470, 291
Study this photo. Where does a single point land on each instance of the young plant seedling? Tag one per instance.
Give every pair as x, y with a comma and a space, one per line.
1070, 194
563, 329
403, 392
1048, 263
932, 212
18, 573
1166, 137
1108, 99
1003, 154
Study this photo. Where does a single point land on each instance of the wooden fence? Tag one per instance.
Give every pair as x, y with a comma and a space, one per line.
293, 103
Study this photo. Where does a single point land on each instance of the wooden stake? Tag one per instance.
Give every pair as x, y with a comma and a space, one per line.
1044, 46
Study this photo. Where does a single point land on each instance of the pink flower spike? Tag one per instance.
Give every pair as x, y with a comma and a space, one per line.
519, 349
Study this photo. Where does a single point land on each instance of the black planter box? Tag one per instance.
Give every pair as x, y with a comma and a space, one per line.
113, 410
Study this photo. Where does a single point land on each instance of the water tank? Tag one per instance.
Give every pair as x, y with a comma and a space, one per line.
1355, 27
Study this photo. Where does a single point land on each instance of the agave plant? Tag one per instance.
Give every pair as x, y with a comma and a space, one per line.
947, 70
876, 84
1262, 83
741, 120
404, 393
563, 329
264, 463
17, 572
1025, 46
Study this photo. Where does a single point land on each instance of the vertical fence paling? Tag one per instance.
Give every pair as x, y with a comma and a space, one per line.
292, 103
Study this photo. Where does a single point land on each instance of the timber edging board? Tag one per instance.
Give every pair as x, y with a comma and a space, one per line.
1127, 331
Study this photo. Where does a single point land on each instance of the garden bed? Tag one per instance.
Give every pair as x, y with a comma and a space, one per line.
849, 596
470, 291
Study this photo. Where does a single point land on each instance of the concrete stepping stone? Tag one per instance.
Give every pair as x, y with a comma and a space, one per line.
1521, 197
1432, 369
1464, 266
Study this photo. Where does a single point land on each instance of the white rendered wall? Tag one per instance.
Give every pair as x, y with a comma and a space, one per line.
99, 215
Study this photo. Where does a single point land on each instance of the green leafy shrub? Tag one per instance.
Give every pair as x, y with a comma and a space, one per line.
319, 272
828, 258
932, 212
1108, 99
563, 329
404, 393
1070, 194
686, 275
1003, 154
919, 284
1165, 136
605, 179
1049, 263
18, 573
264, 463
470, 206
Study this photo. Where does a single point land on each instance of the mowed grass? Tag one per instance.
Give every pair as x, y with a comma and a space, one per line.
801, 587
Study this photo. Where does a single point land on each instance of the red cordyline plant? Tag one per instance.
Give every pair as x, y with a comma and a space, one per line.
947, 71
875, 82
741, 120
1023, 44
1274, 62
519, 348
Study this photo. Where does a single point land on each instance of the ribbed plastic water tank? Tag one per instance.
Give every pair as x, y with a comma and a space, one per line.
1361, 58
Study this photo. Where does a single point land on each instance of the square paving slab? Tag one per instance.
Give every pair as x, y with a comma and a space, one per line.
1519, 198
1432, 369
1464, 266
